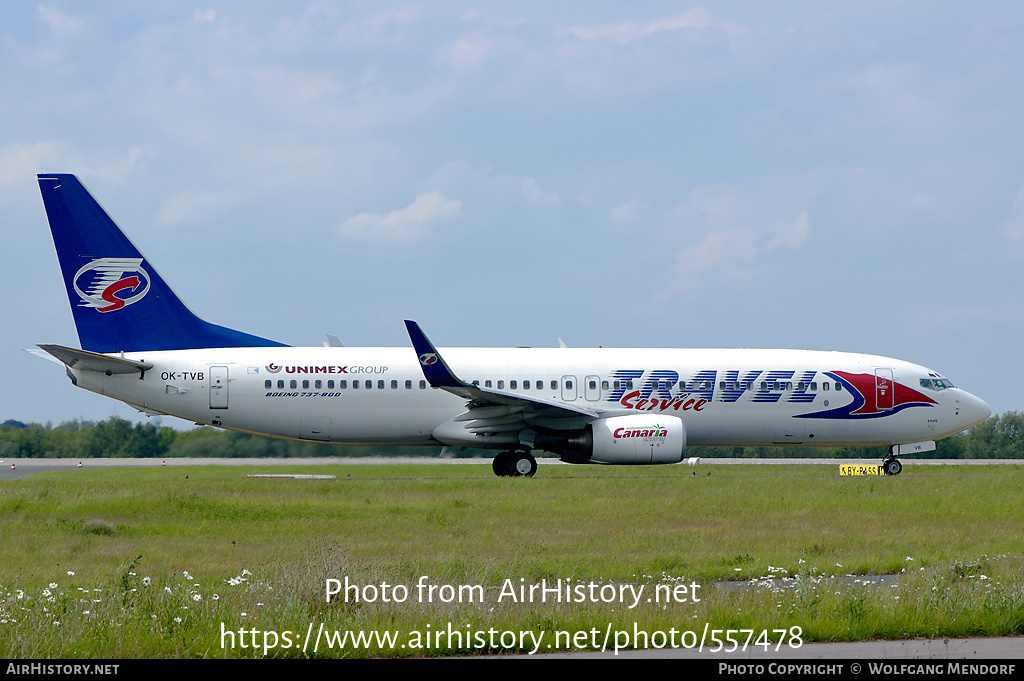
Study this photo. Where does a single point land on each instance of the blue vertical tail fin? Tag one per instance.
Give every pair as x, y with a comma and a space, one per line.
119, 301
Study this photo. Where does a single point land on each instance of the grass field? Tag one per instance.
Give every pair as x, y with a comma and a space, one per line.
164, 566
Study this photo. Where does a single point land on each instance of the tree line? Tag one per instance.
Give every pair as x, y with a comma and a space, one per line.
1000, 437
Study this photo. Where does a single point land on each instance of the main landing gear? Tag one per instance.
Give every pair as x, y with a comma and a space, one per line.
891, 466
514, 464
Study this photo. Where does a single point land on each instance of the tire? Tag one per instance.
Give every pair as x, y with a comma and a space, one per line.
500, 464
892, 467
523, 464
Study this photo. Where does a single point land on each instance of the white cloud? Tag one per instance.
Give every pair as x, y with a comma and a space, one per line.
387, 18
61, 24
732, 232
736, 248
736, 251
18, 161
626, 212
461, 177
791, 235
405, 224
534, 194
628, 31
1014, 227
468, 51
193, 206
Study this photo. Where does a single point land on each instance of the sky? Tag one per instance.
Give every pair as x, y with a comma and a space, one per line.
835, 176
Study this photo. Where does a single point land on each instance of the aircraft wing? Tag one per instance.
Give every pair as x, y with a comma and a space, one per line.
492, 411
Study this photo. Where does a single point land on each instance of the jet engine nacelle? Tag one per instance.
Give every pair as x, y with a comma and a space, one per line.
638, 439
641, 439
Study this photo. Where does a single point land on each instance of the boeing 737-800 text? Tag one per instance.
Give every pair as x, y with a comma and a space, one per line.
142, 345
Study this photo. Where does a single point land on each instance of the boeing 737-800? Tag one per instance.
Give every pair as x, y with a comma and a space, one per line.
140, 344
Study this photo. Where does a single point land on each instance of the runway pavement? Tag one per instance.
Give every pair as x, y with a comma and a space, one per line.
14, 468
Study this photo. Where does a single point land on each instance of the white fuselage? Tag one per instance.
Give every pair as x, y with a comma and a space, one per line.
379, 395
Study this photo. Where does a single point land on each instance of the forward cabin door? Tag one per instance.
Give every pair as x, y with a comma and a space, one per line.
884, 389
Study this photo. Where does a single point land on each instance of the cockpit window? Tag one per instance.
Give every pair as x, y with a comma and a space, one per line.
936, 383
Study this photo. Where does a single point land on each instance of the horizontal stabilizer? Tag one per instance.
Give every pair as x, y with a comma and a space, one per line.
91, 361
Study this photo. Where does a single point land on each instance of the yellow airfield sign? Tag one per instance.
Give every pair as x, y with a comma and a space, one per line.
860, 469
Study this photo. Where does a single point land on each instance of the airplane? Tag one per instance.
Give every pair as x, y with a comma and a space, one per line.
140, 344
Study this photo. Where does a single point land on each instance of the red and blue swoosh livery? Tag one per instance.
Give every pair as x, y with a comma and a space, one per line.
873, 396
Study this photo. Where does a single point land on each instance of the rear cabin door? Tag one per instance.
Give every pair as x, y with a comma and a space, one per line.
218, 387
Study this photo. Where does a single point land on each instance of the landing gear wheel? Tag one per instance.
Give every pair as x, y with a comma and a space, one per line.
892, 467
523, 464
514, 464
500, 464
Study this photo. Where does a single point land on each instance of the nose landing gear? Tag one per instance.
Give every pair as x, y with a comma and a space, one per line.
891, 466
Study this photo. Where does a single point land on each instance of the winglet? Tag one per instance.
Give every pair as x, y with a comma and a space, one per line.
435, 369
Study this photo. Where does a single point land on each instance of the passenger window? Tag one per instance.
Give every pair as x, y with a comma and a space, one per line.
604, 385
824, 386
554, 385
305, 384
343, 385
615, 385
294, 384
330, 384
526, 385
380, 385
839, 386
501, 385
593, 385
423, 385
487, 384
267, 383
512, 385
394, 385
408, 385
318, 385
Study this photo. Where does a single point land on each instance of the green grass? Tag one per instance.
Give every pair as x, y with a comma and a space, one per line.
953, 532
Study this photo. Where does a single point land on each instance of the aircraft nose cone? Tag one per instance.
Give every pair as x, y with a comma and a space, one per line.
973, 410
